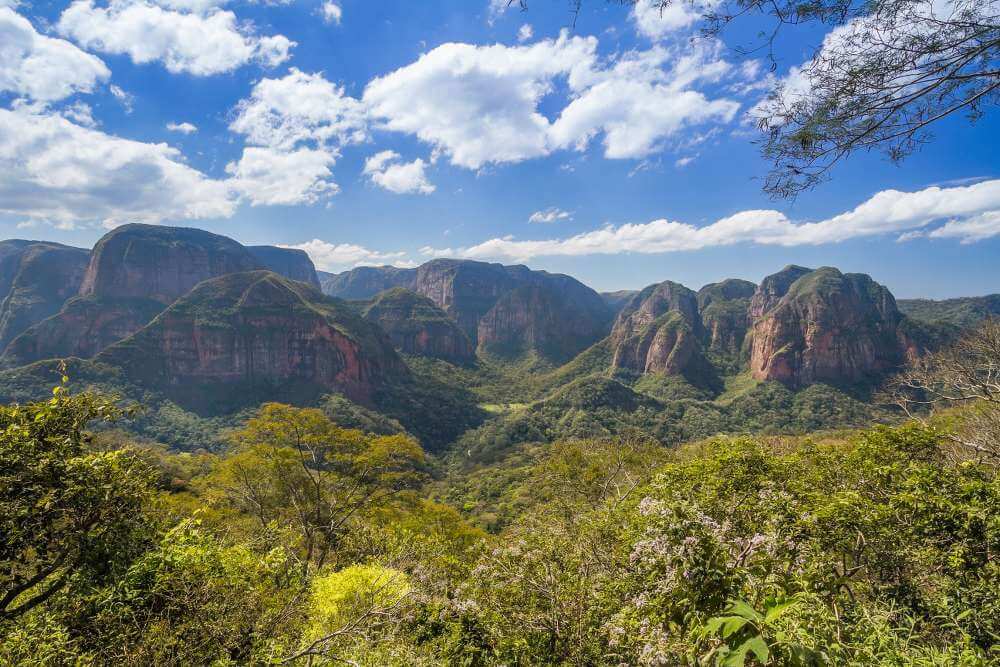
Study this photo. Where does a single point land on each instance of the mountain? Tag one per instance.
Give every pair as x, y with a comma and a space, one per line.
289, 262
416, 326
255, 336
161, 263
504, 310
617, 300
365, 282
962, 312
657, 331
824, 326
134, 272
36, 278
724, 309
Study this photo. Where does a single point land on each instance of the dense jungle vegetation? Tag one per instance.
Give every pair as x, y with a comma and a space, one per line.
329, 536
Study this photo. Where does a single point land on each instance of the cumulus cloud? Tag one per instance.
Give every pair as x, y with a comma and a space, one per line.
331, 12
297, 108
479, 105
655, 21
552, 214
42, 68
296, 123
337, 257
387, 171
183, 128
525, 33
268, 176
195, 43
56, 171
972, 213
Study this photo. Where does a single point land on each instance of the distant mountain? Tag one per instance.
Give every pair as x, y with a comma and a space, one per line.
616, 300
416, 326
724, 309
255, 336
824, 325
963, 312
508, 311
289, 262
133, 273
36, 277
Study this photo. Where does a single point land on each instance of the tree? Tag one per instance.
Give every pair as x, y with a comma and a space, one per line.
883, 76
65, 511
296, 468
964, 374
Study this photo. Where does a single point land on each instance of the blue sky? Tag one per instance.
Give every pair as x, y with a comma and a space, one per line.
391, 132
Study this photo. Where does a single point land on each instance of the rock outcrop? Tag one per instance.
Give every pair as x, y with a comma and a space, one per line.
256, 336
288, 262
416, 326
554, 318
39, 277
365, 282
658, 332
772, 288
134, 272
824, 326
724, 310
160, 263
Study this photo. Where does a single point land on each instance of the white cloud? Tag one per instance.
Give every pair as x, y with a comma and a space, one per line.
655, 21
127, 100
479, 105
268, 176
299, 108
183, 128
199, 44
680, 163
525, 33
331, 12
972, 213
552, 214
977, 228
80, 113
639, 102
55, 171
302, 120
43, 68
385, 170
337, 257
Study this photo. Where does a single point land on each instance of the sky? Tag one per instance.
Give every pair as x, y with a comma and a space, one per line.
618, 148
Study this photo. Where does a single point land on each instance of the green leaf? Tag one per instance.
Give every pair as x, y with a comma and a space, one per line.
775, 612
759, 648
733, 624
741, 608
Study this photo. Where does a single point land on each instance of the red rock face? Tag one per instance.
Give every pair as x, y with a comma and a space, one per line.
536, 317
416, 326
249, 331
160, 263
656, 331
42, 277
828, 326
772, 288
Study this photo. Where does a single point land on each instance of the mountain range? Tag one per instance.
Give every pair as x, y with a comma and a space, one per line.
210, 326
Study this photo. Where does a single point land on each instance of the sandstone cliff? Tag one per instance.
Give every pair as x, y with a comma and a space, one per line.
724, 310
289, 262
416, 326
256, 336
658, 331
39, 277
365, 282
160, 263
825, 326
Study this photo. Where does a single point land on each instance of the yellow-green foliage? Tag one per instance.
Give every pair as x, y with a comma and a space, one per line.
353, 596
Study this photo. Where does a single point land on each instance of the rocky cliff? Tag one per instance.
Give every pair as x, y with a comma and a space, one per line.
255, 336
365, 282
773, 287
134, 272
724, 310
416, 326
824, 326
38, 277
289, 262
160, 263
657, 331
